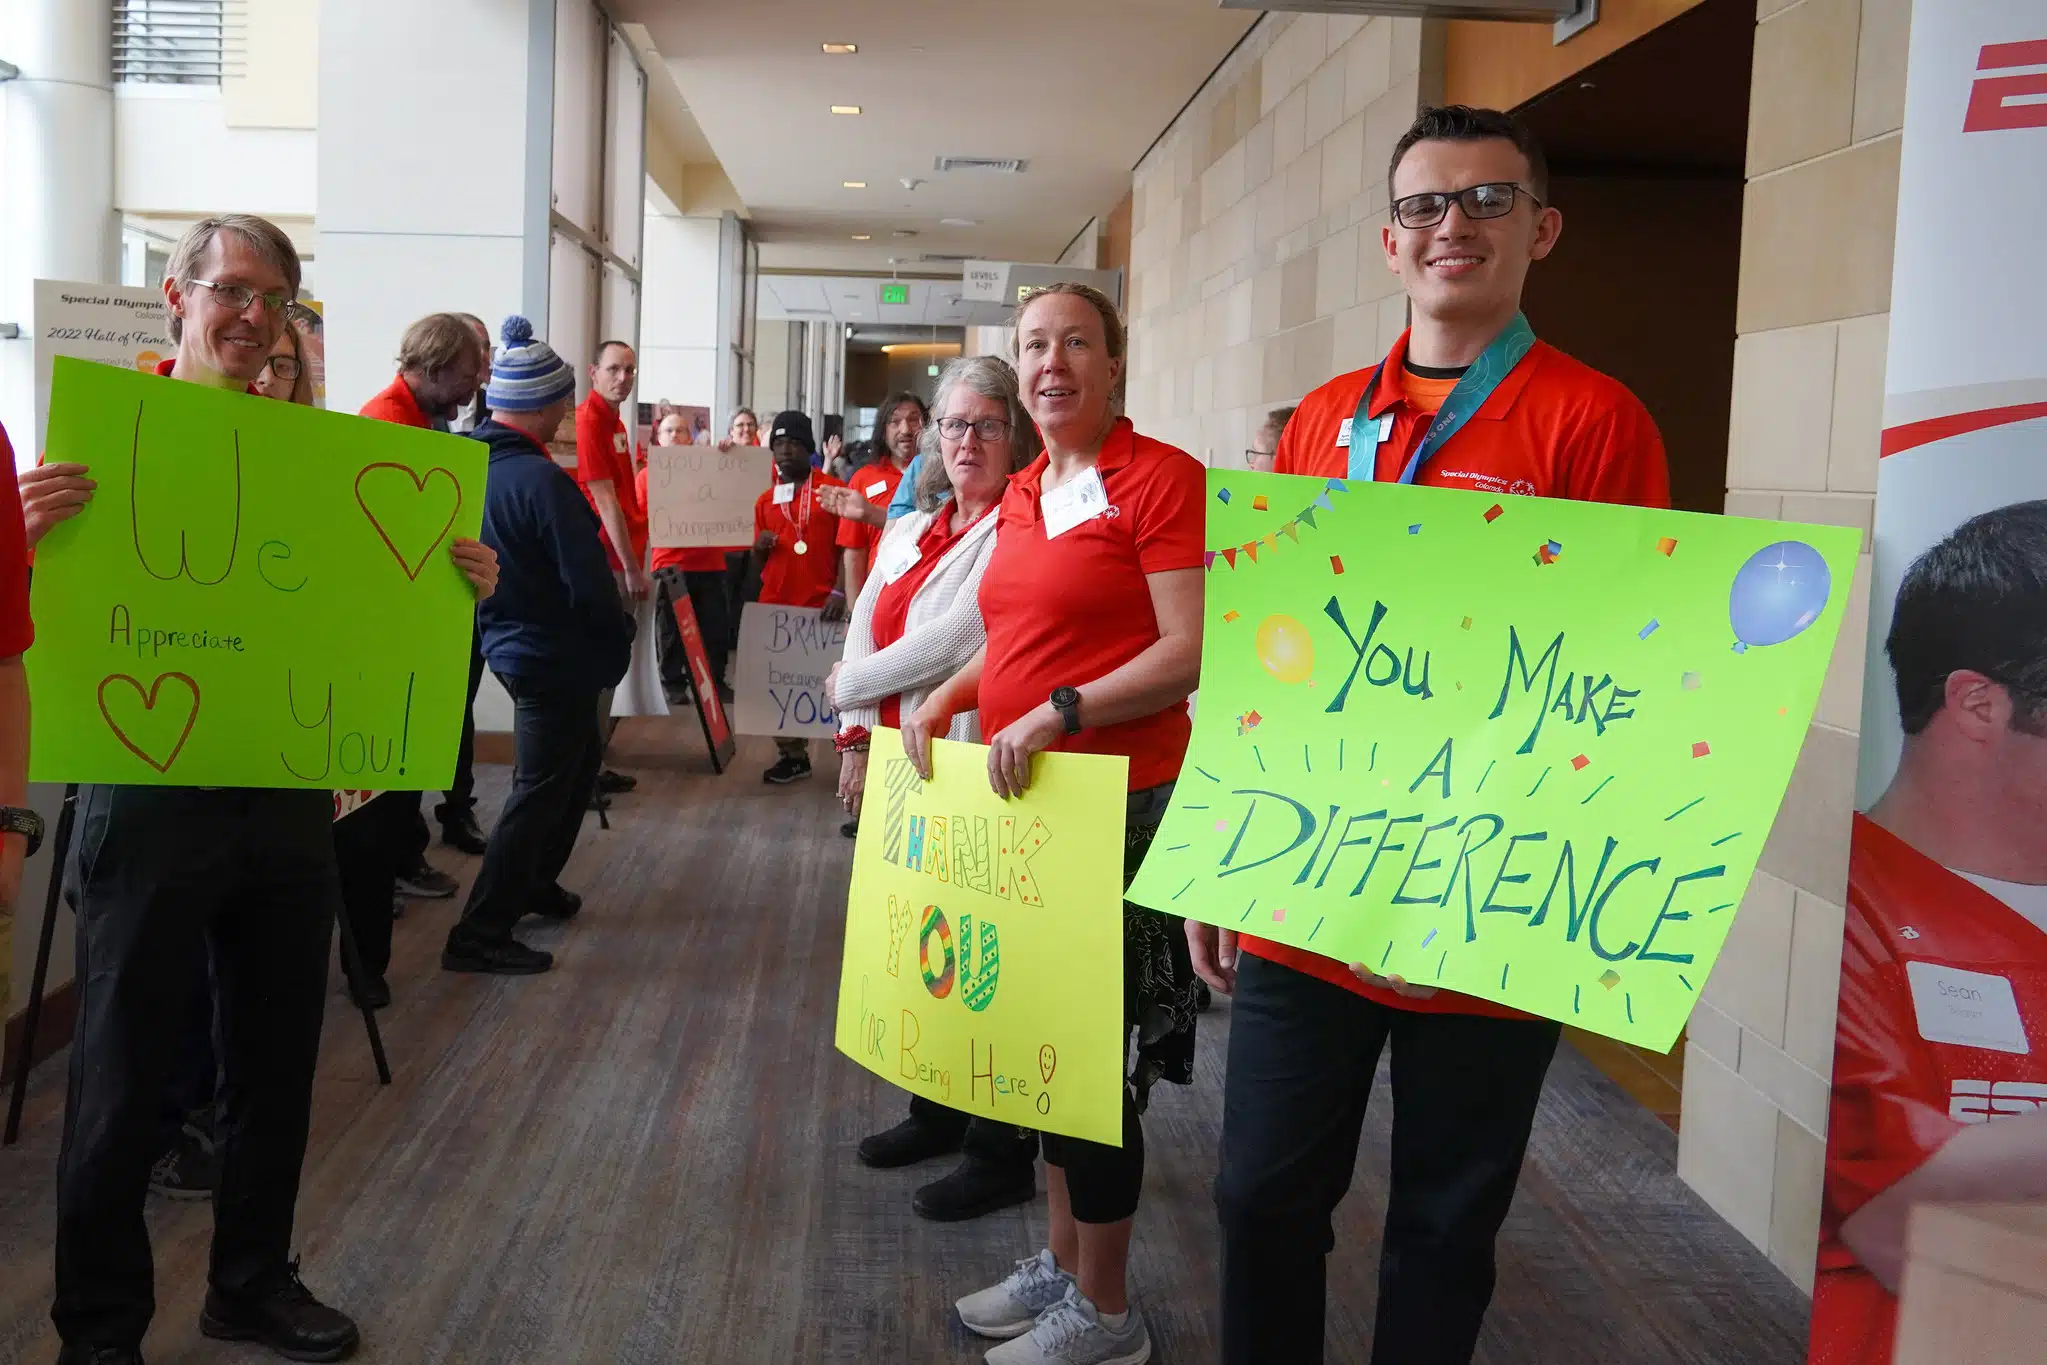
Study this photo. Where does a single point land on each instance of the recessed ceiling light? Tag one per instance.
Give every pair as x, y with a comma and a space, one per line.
853, 184
845, 109
863, 236
841, 49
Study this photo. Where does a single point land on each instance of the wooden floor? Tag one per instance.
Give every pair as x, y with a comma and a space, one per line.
647, 1155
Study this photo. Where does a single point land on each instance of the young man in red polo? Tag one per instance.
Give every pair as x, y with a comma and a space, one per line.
1940, 1048
1466, 398
795, 546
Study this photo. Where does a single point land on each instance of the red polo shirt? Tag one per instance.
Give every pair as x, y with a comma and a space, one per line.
1553, 428
603, 455
17, 632
396, 404
877, 483
789, 579
1917, 934
1066, 611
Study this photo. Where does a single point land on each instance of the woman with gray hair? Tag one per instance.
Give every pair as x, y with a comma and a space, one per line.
917, 622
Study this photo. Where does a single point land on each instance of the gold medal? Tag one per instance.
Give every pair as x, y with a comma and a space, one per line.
802, 548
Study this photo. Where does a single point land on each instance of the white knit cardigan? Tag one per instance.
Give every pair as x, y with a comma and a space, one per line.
943, 633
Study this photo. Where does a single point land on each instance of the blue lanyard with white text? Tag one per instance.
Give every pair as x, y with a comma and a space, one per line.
1476, 385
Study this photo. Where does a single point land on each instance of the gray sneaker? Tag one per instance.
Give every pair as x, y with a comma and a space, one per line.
1071, 1332
1008, 1309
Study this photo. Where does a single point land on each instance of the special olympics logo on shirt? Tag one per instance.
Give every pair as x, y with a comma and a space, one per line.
1521, 488
1112, 512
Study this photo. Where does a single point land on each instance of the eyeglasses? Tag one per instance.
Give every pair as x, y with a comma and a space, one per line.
1495, 200
283, 366
238, 297
988, 428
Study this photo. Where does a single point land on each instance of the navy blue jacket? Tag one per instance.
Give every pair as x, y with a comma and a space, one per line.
556, 616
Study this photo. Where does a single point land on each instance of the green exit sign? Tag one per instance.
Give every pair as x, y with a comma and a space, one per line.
895, 293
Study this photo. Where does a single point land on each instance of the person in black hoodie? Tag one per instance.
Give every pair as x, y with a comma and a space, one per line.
556, 634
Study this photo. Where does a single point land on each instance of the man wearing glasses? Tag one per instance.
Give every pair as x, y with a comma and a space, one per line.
1465, 398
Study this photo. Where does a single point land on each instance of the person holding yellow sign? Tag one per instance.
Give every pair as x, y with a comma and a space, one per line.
1092, 602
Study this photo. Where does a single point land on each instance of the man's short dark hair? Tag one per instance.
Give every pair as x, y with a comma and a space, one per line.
1462, 123
1976, 601
888, 409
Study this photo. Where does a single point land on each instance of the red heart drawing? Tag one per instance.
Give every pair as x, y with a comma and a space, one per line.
148, 700
384, 487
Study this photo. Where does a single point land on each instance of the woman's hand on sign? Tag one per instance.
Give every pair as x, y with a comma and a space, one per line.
1390, 983
918, 730
852, 780
478, 563
1215, 955
1009, 753
51, 493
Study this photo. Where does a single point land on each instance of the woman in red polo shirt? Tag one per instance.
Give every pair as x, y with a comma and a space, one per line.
1093, 608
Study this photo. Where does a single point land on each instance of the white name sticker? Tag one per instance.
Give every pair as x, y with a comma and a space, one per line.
1343, 435
1970, 1009
784, 493
878, 487
1077, 500
901, 556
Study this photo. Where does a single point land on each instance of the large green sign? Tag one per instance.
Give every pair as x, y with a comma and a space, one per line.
1524, 749
258, 595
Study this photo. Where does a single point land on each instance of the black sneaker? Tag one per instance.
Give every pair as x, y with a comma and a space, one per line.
286, 1318
975, 1187
188, 1171
493, 957
424, 881
851, 829
373, 995
557, 904
788, 768
613, 784
79, 1353
908, 1143
463, 834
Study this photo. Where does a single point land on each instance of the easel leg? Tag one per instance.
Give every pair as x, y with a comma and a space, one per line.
60, 850
351, 962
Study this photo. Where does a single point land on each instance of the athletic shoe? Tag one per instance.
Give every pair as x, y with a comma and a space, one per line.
612, 784
908, 1143
424, 881
189, 1170
1071, 1332
493, 957
974, 1188
557, 904
1009, 1309
788, 768
851, 829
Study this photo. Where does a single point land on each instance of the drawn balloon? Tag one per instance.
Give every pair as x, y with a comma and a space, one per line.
1780, 591
1285, 649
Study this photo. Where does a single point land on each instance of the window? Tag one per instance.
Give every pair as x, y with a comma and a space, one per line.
169, 42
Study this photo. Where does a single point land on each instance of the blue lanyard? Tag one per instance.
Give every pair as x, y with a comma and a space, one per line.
1476, 385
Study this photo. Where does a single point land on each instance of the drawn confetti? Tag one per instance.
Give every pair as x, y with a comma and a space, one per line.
1580, 763
1650, 629
1223, 496
1609, 978
1667, 546
1430, 939
1336, 563
1548, 552
1415, 529
1258, 503
1247, 722
1701, 749
1467, 624
1495, 512
1691, 682
1229, 616
1279, 915
1221, 826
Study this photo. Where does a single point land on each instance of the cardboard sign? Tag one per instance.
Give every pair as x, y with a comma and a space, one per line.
260, 594
703, 496
784, 655
984, 938
1520, 748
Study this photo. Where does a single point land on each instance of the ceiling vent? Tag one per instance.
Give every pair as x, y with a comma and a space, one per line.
1011, 165
944, 258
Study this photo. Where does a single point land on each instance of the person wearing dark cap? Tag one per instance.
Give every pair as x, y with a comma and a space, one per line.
796, 548
556, 634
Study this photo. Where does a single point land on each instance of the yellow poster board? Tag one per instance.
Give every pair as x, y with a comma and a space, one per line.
984, 938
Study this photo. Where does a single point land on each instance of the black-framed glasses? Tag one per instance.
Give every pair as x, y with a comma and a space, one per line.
283, 366
988, 428
1492, 200
238, 297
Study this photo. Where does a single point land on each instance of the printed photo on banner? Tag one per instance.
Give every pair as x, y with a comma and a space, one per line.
1939, 1066
784, 656
983, 964
1528, 750
261, 596
699, 495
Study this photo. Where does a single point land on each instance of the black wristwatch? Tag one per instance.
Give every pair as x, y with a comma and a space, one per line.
1066, 701
20, 820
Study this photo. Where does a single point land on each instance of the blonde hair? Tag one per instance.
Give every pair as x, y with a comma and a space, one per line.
264, 237
1113, 333
992, 377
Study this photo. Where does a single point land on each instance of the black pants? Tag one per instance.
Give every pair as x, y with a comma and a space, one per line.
1000, 1144
462, 787
195, 1062
161, 871
710, 597
371, 846
1302, 1055
556, 742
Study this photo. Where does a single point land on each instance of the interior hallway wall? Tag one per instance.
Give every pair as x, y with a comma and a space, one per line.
679, 320
1255, 265
1813, 315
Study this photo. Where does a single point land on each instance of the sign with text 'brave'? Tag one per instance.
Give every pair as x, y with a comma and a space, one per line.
259, 594
1524, 749
785, 654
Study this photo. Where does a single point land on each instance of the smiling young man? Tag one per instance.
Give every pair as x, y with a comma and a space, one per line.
164, 873
1466, 398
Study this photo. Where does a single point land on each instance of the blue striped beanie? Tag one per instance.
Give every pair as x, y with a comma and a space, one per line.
527, 375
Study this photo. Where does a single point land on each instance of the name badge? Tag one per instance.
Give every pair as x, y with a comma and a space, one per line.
900, 558
877, 488
618, 441
1970, 1009
784, 493
1073, 502
1343, 435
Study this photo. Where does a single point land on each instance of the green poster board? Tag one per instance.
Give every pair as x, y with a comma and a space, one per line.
1524, 749
258, 595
